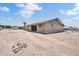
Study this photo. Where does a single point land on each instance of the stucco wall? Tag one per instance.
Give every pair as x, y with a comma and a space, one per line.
50, 27
27, 28
41, 29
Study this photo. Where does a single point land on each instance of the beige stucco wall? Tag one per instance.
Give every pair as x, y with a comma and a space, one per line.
27, 28
0, 28
41, 29
48, 28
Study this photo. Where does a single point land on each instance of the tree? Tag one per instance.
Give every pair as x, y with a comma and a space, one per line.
76, 29
24, 23
73, 28
8, 26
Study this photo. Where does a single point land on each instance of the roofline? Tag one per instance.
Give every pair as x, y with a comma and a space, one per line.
60, 21
47, 21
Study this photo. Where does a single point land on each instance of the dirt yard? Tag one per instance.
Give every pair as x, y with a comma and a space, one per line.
57, 44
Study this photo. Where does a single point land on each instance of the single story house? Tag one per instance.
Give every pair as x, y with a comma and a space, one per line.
53, 25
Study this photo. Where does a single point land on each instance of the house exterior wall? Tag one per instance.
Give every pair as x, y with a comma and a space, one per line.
41, 28
0, 28
27, 28
48, 27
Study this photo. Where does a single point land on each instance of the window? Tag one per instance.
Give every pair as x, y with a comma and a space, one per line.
40, 25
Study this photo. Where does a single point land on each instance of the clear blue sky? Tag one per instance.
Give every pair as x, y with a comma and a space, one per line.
16, 14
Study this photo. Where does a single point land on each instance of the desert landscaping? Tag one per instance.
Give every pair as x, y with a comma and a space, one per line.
37, 44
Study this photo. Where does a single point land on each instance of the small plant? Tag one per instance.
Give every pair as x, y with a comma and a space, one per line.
18, 47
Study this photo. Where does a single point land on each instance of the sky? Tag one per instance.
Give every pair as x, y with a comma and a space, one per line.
17, 13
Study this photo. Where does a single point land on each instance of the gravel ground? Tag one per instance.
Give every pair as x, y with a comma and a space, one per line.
55, 44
